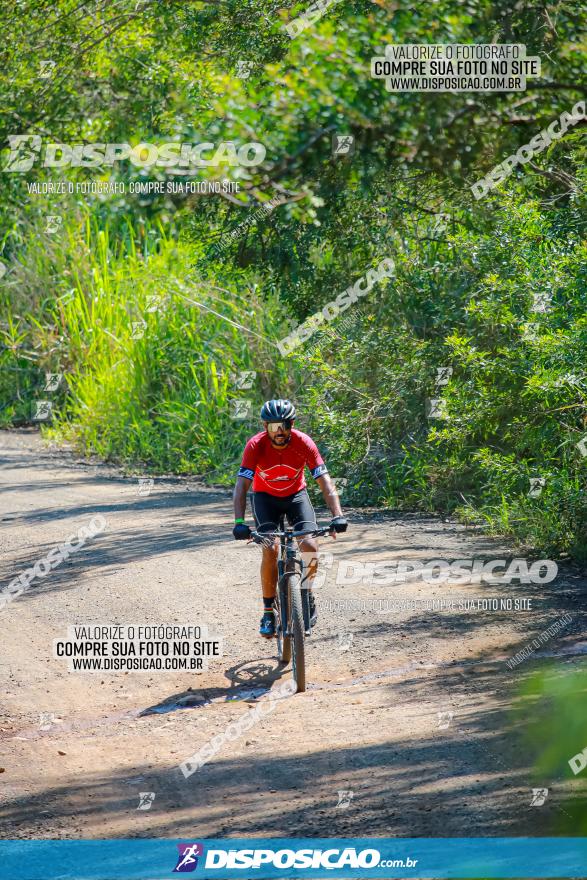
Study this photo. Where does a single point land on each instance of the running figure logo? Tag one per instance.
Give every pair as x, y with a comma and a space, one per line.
343, 144
146, 799
188, 857
539, 796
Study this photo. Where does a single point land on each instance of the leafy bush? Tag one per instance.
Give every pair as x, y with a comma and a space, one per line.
515, 403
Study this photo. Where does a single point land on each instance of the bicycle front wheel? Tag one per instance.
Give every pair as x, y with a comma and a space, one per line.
283, 640
296, 620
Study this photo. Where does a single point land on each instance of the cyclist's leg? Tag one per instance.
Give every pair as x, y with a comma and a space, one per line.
266, 517
301, 515
266, 512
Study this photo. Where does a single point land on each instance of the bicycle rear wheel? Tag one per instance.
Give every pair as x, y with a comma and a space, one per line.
296, 620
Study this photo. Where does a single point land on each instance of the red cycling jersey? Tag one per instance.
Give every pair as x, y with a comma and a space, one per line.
280, 471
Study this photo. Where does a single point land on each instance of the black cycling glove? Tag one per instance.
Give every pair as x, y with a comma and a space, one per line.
241, 532
339, 524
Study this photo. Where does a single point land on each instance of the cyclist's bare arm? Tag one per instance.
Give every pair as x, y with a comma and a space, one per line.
330, 494
240, 497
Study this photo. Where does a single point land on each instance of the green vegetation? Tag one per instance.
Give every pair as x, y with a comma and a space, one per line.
470, 276
145, 347
550, 717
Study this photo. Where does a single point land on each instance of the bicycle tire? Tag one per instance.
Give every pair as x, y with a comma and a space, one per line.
297, 640
283, 640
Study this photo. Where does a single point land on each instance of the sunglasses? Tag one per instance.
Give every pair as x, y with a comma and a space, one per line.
273, 427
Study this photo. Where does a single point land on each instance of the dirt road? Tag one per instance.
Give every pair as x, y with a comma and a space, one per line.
77, 748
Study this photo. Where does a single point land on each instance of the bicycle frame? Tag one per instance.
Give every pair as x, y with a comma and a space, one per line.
292, 601
288, 552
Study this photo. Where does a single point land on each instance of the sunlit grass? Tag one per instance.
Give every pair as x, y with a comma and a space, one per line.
147, 347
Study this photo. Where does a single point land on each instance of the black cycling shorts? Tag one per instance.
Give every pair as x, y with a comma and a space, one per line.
267, 509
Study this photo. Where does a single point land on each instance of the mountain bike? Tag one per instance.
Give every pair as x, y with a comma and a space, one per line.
292, 602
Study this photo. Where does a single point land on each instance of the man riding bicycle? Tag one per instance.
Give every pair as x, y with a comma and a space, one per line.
274, 461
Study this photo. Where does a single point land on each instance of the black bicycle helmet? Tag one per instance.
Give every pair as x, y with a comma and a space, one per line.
278, 410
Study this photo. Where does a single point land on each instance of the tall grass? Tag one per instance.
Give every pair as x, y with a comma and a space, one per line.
149, 349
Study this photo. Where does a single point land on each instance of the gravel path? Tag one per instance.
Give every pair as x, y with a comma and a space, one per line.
76, 749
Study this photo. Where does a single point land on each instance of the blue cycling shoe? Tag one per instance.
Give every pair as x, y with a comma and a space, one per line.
267, 628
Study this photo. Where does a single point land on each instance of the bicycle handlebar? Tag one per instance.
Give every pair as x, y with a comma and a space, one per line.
315, 533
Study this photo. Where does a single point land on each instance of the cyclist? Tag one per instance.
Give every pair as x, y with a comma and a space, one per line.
274, 461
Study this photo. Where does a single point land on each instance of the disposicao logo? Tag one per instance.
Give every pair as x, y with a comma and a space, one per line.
188, 857
286, 858
26, 150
